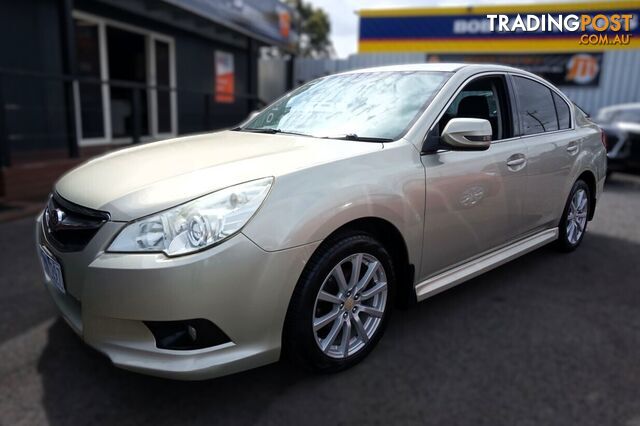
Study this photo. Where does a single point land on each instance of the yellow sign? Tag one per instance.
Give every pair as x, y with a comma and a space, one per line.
542, 28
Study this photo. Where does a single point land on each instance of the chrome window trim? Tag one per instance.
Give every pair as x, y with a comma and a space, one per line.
551, 132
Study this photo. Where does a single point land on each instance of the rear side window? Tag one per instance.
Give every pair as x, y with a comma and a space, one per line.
536, 109
562, 109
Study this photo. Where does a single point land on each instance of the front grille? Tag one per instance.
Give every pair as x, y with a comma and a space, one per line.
70, 227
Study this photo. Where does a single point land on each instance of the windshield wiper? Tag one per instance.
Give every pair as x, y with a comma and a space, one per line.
268, 131
348, 136
257, 130
354, 137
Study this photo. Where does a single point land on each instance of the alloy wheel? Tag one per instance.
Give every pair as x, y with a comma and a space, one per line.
577, 217
350, 305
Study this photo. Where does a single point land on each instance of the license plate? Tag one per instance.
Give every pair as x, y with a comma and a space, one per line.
52, 270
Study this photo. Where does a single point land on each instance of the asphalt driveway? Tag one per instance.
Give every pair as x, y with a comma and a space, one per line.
549, 339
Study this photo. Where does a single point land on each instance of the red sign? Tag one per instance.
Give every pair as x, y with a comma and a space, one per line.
225, 77
284, 22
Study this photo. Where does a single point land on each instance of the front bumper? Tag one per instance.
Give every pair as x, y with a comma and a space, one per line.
241, 288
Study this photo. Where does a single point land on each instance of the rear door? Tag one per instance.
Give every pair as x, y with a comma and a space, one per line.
474, 198
546, 125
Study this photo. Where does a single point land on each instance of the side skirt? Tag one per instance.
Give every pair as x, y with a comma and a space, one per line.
441, 282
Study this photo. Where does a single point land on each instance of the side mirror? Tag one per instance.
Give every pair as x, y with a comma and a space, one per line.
467, 134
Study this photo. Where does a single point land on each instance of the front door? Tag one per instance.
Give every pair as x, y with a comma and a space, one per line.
474, 198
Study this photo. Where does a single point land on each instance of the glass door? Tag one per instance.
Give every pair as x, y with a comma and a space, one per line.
91, 94
127, 56
163, 84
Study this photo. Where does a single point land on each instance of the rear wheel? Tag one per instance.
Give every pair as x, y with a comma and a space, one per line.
573, 224
341, 304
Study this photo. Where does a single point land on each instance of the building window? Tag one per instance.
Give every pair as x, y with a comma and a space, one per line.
127, 82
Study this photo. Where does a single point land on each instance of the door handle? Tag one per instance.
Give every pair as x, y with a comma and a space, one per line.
573, 147
516, 162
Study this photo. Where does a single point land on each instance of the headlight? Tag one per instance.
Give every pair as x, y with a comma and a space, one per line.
194, 225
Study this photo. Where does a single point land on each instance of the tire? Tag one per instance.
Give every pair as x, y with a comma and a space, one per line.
573, 227
305, 336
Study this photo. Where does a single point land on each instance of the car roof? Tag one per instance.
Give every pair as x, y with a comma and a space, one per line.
439, 66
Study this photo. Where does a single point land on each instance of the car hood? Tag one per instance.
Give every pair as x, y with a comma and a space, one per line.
145, 179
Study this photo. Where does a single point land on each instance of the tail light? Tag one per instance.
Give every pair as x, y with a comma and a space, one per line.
603, 138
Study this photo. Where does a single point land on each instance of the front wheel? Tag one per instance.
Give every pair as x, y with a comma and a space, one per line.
573, 224
341, 304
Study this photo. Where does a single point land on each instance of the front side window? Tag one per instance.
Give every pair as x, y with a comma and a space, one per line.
483, 98
379, 105
536, 109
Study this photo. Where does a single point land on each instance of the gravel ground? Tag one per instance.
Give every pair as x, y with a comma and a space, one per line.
548, 339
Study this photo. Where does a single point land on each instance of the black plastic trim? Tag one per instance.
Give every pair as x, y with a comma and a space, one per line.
174, 335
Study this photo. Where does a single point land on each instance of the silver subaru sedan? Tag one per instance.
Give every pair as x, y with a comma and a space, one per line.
299, 231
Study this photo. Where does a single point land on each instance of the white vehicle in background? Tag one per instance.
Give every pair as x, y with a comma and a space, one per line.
621, 124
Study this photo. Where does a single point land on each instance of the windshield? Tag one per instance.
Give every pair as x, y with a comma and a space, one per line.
368, 105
